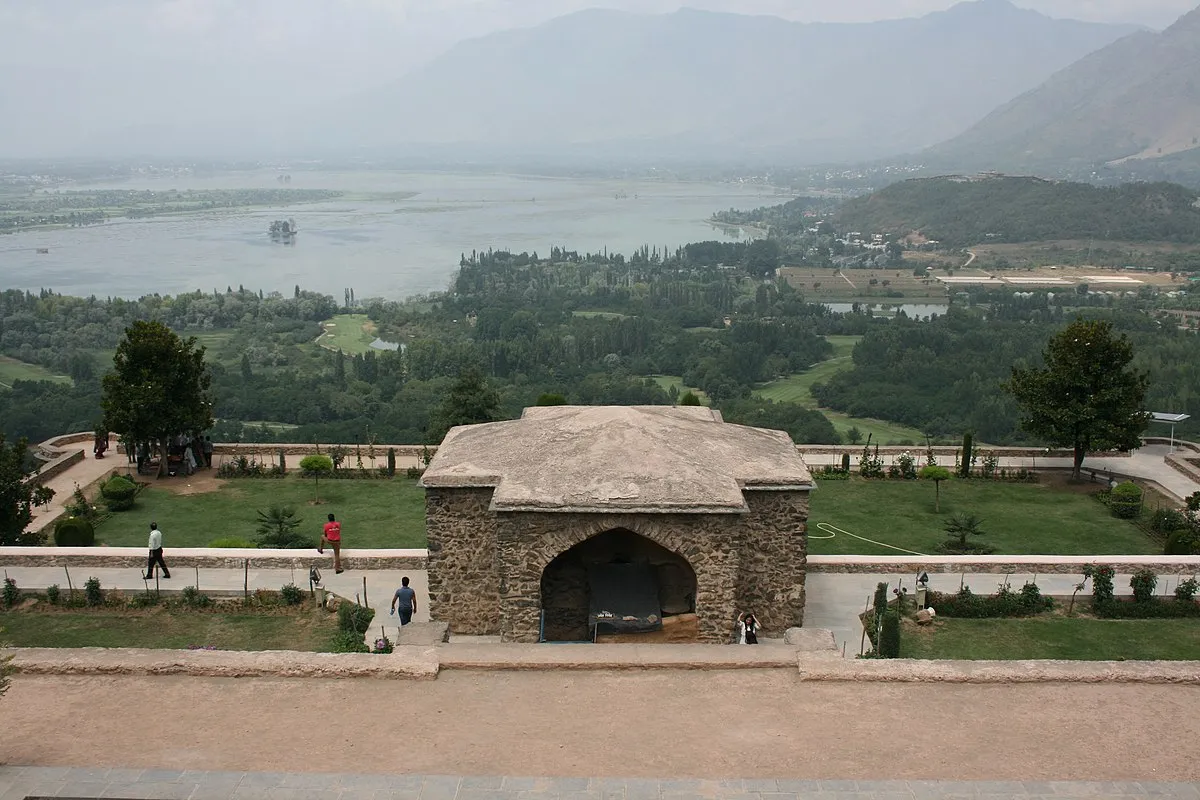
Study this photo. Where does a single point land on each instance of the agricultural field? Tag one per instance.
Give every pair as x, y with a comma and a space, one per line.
1094, 257
829, 284
13, 370
1018, 518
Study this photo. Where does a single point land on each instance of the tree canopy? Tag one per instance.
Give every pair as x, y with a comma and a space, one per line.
158, 387
468, 401
1087, 396
18, 497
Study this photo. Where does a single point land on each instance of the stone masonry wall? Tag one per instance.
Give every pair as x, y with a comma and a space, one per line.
774, 559
464, 579
530, 541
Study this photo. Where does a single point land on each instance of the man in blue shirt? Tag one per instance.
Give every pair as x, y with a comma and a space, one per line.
406, 599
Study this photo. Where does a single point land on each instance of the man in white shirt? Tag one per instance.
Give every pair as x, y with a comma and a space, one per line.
156, 556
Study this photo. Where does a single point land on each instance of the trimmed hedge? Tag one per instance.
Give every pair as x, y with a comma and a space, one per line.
119, 493
74, 532
1005, 603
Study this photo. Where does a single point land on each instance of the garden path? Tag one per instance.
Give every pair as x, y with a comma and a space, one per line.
80, 474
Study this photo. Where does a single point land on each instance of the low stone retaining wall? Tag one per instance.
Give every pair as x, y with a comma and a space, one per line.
916, 671
408, 662
56, 466
1001, 565
1184, 465
269, 449
947, 450
205, 557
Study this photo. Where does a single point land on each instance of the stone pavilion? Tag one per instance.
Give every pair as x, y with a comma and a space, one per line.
574, 521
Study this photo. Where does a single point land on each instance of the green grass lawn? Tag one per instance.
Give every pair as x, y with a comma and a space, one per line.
216, 344
304, 629
798, 389
373, 513
667, 381
350, 333
1074, 638
13, 370
1018, 519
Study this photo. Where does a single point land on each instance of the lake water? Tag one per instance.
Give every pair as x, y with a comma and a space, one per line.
390, 248
891, 309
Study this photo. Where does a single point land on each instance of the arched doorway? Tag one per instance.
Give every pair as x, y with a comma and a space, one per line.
618, 585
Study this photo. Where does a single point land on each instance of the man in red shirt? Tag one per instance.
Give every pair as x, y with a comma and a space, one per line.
332, 536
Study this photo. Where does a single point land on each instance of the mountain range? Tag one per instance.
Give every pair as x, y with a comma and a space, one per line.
1136, 99
705, 83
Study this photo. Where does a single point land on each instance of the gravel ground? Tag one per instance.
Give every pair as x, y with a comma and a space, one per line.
685, 724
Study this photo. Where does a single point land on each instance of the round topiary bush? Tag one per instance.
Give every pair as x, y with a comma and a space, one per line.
118, 493
1180, 543
1125, 500
74, 532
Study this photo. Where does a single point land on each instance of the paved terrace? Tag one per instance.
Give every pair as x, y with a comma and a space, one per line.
17, 783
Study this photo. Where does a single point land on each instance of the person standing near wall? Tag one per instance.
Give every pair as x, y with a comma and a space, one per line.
156, 554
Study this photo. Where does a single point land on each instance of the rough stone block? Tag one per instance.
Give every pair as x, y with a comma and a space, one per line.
810, 640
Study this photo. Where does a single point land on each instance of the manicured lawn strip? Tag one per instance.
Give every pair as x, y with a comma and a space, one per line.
350, 333
1072, 638
1018, 519
373, 513
13, 370
306, 630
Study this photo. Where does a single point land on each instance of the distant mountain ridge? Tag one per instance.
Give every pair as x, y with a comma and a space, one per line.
709, 83
965, 211
1137, 98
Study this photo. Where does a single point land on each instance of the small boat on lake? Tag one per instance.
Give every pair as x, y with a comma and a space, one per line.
43, 251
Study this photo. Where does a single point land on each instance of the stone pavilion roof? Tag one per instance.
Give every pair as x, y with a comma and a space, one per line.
628, 459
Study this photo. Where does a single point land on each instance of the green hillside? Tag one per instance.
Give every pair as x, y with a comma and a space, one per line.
966, 211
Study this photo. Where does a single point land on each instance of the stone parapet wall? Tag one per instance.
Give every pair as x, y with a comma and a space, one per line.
272, 449
1180, 444
204, 557
57, 466
1184, 465
945, 450
464, 576
999, 565
904, 670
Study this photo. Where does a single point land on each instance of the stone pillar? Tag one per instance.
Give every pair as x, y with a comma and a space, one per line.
464, 580
774, 559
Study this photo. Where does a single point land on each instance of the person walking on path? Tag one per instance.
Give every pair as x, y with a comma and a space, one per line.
406, 599
156, 556
747, 629
332, 536
207, 449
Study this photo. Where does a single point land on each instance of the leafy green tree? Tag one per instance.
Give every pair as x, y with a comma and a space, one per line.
469, 401
689, 398
854, 435
551, 399
316, 466
158, 387
937, 475
18, 497
1087, 396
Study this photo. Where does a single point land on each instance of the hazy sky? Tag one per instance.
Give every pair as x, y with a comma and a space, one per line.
80, 64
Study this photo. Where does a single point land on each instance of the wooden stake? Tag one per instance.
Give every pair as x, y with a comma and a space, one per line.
70, 588
246, 578
197, 578
364, 590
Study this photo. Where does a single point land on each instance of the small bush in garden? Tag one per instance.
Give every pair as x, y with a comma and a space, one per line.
143, 600
1185, 592
1102, 583
391, 462
92, 593
1183, 542
231, 542
74, 532
54, 594
356, 618
291, 594
119, 493
277, 528
889, 636
413, 473
1125, 500
11, 595
348, 642
1167, 520
879, 604
194, 598
1143, 582
383, 646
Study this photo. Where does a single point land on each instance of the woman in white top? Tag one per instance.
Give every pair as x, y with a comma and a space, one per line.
747, 629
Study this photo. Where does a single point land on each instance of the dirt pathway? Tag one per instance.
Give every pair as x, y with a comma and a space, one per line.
666, 724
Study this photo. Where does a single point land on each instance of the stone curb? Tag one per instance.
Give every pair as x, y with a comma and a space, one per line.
209, 558
919, 671
405, 663
1001, 564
